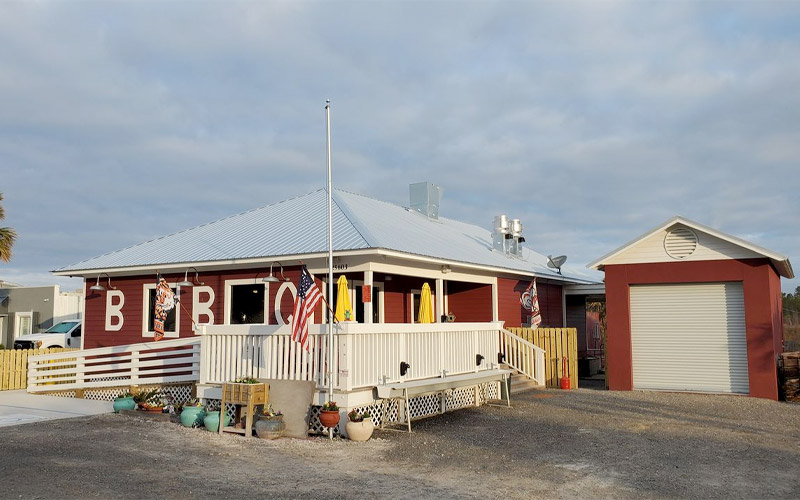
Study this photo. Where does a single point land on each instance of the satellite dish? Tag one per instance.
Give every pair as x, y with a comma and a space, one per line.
556, 262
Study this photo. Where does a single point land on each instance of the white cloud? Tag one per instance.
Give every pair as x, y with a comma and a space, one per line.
593, 122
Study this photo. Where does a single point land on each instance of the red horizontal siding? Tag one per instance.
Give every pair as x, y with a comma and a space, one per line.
511, 311
469, 302
95, 334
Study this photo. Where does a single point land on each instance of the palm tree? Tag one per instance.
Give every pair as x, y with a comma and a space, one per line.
7, 237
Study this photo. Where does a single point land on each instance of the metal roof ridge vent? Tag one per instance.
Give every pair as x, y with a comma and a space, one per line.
424, 197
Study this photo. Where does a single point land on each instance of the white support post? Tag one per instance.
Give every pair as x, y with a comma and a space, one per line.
540, 367
80, 371
32, 369
135, 366
439, 300
345, 344
205, 365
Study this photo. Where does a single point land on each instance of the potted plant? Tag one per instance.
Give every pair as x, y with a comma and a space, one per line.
359, 426
211, 420
140, 398
124, 402
193, 413
269, 423
152, 401
329, 414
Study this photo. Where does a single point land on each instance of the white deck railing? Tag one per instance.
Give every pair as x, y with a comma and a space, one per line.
523, 356
127, 365
365, 354
229, 352
371, 354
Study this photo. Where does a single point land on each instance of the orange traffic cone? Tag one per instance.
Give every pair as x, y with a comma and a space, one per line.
565, 375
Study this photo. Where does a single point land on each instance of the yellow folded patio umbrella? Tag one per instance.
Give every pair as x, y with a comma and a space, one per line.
344, 312
425, 307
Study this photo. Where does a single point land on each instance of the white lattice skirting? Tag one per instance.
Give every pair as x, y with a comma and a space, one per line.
176, 393
420, 406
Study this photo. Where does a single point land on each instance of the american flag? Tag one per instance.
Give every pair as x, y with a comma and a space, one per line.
307, 298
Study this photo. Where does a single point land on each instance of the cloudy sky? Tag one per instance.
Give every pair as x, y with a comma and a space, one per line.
592, 122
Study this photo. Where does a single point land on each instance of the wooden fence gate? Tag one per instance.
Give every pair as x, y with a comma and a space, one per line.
557, 344
14, 366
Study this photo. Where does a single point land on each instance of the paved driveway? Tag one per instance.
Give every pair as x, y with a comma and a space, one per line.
550, 444
19, 407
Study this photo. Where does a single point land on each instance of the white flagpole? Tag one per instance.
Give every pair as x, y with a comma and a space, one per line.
330, 254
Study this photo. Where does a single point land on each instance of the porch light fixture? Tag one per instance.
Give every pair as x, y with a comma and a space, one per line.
97, 287
446, 269
196, 279
478, 359
271, 278
404, 368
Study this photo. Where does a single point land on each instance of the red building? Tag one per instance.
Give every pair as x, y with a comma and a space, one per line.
387, 252
690, 308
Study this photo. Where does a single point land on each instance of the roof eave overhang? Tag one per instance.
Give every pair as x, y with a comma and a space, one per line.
250, 262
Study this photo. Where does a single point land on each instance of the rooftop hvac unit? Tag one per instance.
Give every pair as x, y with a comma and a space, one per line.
425, 198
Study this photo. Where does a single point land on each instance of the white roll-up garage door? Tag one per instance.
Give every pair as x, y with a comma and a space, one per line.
689, 337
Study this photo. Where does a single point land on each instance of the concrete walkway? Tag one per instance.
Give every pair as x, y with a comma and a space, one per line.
19, 407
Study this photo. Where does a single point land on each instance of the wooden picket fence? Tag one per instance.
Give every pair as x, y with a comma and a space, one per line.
557, 344
14, 366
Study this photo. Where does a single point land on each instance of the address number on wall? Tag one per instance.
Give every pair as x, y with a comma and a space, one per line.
340, 267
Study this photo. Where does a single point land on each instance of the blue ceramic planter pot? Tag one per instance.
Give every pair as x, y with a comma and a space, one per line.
124, 404
193, 416
211, 421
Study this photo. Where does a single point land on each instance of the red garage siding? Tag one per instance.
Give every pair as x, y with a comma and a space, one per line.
511, 311
762, 302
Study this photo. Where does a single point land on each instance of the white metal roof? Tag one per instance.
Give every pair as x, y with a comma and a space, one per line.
298, 226
781, 262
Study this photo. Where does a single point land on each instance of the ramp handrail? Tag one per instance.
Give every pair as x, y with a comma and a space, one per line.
523, 356
144, 363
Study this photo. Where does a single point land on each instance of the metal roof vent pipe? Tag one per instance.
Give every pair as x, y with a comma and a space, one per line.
516, 238
425, 198
501, 233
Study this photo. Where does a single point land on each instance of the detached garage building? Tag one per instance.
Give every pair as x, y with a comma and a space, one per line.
693, 309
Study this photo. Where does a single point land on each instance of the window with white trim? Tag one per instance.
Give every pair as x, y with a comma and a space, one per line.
246, 301
24, 324
171, 325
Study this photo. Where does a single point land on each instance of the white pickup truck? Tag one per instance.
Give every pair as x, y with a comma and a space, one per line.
63, 334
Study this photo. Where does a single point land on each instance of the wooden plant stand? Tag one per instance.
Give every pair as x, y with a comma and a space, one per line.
249, 395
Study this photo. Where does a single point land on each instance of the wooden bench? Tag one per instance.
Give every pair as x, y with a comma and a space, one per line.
405, 390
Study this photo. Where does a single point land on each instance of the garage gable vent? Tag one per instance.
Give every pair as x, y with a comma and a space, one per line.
680, 243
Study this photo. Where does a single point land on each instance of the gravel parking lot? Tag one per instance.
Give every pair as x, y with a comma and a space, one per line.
550, 444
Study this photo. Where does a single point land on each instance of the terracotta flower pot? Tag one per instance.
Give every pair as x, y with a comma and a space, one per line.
329, 418
359, 431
